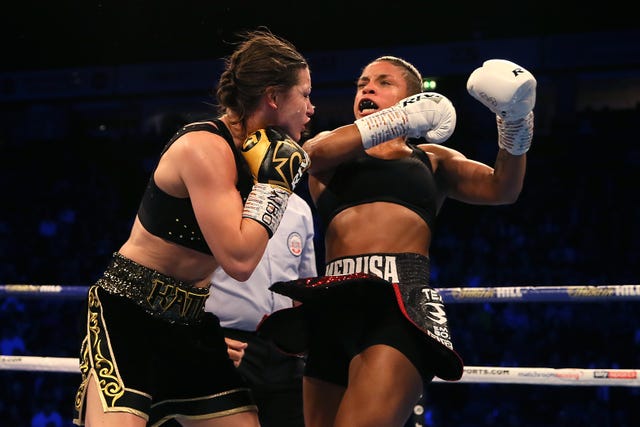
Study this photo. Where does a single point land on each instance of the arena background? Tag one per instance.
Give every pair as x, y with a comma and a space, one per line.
89, 92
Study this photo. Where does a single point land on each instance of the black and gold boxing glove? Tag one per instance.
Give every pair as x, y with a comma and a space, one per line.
274, 158
277, 164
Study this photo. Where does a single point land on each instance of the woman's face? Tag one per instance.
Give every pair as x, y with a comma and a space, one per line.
381, 85
295, 109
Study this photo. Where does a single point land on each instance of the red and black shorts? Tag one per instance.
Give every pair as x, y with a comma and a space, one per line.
362, 301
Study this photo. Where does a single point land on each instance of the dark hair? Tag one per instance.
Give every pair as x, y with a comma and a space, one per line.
411, 74
261, 60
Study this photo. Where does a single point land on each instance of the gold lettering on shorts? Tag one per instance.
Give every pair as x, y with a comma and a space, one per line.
165, 296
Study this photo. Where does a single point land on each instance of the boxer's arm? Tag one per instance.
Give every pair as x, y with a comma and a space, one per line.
429, 115
509, 91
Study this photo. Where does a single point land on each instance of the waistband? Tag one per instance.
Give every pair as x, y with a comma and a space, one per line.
159, 295
408, 268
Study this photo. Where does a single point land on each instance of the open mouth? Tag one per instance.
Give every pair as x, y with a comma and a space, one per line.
366, 105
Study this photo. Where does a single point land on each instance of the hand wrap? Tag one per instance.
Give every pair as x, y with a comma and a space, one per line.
515, 136
266, 204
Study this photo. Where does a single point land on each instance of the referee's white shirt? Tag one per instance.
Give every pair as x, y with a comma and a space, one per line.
290, 255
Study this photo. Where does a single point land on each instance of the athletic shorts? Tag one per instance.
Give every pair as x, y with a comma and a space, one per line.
363, 301
348, 328
156, 356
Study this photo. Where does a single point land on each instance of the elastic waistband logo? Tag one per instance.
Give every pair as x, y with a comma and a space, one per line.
383, 266
164, 297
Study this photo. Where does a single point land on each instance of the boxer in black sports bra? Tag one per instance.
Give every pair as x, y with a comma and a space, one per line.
374, 331
151, 353
172, 218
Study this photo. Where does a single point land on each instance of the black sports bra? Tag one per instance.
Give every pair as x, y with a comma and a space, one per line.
172, 218
407, 181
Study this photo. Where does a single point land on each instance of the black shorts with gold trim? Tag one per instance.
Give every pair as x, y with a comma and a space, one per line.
153, 351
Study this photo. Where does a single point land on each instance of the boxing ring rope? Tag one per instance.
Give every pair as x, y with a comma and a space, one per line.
472, 374
572, 293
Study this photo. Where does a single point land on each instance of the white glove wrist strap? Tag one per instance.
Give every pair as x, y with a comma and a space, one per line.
382, 126
515, 136
266, 204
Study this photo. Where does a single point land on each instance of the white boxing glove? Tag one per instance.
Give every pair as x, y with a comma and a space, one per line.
426, 115
505, 88
509, 91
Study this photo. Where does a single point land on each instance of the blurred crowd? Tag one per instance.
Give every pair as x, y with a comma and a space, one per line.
68, 205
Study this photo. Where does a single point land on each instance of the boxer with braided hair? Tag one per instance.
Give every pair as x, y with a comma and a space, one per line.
151, 353
376, 332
